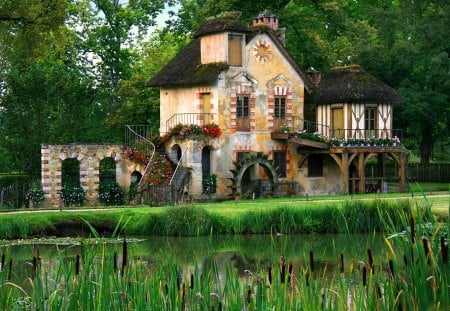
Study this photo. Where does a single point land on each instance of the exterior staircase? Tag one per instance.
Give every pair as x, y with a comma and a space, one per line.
137, 136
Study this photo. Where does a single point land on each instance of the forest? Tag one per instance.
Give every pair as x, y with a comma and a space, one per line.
75, 71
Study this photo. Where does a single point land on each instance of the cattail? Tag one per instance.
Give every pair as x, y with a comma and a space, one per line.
290, 268
311, 260
444, 250
183, 296
77, 265
115, 261
364, 275
124, 254
411, 227
34, 267
369, 254
341, 262
249, 294
220, 305
10, 270
426, 248
192, 282
307, 278
282, 269
391, 269
269, 272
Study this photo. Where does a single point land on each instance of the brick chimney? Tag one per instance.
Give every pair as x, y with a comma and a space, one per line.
314, 76
270, 20
266, 18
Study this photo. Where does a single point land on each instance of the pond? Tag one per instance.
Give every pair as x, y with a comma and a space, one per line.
243, 252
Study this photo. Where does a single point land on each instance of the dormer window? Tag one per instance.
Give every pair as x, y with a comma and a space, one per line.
235, 43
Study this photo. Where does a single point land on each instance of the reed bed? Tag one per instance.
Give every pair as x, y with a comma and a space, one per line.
413, 276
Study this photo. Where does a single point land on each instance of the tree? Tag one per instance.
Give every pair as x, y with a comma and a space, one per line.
139, 104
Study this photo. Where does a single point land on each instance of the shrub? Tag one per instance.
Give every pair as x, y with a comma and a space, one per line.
72, 194
110, 193
35, 194
185, 221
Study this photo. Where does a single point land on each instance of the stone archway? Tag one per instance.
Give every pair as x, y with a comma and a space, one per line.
248, 162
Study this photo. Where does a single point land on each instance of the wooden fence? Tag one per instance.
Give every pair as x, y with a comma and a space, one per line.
432, 172
13, 196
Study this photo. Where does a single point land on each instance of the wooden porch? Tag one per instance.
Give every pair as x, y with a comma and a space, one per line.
344, 157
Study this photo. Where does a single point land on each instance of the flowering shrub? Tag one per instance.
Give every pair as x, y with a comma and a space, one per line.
35, 194
161, 171
137, 155
311, 136
110, 193
72, 194
365, 142
209, 183
184, 131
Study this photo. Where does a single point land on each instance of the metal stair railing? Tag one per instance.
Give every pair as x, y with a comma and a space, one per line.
132, 139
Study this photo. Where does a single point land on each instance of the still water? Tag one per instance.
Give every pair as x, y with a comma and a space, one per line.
243, 252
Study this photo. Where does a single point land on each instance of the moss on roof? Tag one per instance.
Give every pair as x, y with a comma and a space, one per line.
186, 69
353, 84
229, 22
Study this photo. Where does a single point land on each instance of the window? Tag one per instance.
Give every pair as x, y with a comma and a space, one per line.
235, 50
280, 107
242, 113
315, 165
279, 158
369, 121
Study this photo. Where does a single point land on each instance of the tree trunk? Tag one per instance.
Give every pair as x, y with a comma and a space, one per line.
426, 145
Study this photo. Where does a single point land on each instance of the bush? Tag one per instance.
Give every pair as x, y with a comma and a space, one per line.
72, 195
110, 193
185, 221
35, 194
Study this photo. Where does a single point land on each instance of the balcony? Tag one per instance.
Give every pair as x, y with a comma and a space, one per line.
190, 119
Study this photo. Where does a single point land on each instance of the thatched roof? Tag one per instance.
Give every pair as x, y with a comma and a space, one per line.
353, 84
220, 24
186, 69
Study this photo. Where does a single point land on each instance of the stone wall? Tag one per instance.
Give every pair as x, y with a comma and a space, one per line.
89, 157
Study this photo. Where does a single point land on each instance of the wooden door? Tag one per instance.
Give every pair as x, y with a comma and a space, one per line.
206, 103
337, 123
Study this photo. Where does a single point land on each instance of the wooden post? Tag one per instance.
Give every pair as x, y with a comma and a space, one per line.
402, 172
362, 173
345, 170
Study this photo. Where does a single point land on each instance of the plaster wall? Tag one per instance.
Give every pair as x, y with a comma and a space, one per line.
329, 183
185, 100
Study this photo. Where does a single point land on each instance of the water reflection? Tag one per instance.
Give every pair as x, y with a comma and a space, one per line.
247, 252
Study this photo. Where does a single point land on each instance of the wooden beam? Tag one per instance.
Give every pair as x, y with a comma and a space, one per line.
362, 173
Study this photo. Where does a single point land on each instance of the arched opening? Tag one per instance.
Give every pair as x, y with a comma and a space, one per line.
71, 192
107, 170
206, 161
175, 153
209, 180
254, 174
70, 172
136, 177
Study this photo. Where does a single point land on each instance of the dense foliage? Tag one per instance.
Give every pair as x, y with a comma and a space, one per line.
110, 193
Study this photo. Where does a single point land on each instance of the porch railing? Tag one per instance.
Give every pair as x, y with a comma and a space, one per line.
365, 134
190, 119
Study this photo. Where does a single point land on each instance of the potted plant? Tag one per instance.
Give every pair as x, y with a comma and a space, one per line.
285, 128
